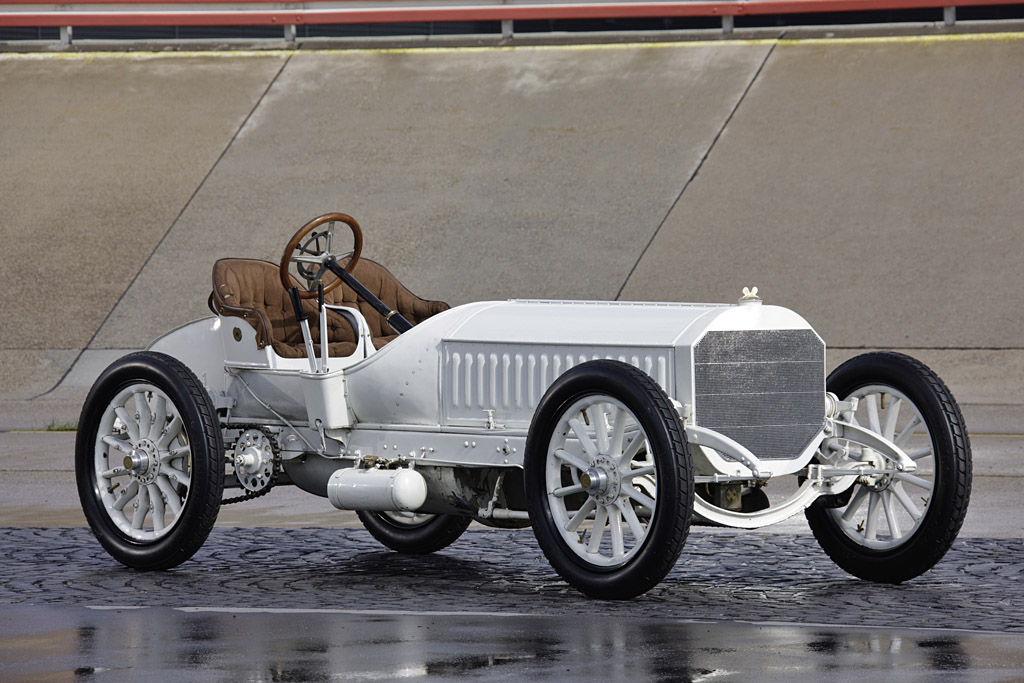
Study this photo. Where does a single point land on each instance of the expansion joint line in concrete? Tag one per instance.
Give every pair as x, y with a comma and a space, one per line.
700, 164
170, 228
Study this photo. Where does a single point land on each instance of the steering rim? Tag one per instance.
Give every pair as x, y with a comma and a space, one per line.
305, 248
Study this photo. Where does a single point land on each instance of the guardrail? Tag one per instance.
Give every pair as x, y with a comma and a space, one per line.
148, 13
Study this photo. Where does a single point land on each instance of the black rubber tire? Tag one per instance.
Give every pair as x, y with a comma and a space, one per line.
674, 502
429, 536
952, 473
201, 428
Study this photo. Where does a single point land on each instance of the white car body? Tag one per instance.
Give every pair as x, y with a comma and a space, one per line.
461, 388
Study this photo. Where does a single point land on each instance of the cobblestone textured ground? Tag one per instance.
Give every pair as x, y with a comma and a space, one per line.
979, 585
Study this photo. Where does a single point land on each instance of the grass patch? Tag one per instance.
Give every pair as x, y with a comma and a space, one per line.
57, 426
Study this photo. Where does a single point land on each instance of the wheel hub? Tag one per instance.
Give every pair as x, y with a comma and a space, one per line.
602, 480
875, 482
143, 463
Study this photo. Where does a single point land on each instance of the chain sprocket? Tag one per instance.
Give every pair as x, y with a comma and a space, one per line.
255, 474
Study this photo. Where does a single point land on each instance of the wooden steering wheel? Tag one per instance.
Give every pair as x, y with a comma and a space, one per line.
312, 249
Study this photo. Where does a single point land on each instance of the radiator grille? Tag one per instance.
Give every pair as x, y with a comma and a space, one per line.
761, 388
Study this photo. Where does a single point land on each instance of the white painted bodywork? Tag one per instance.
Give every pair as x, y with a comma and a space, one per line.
467, 369
460, 389
502, 356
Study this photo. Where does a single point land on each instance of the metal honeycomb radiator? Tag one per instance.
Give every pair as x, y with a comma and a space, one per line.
761, 388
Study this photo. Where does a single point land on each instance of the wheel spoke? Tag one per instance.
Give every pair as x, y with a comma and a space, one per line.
872, 405
891, 418
145, 414
173, 499
158, 507
858, 498
632, 449
159, 406
629, 514
615, 523
130, 425
173, 430
638, 472
599, 420
581, 515
639, 497
118, 444
126, 496
580, 430
920, 453
173, 454
570, 459
567, 490
597, 532
914, 481
905, 501
871, 530
907, 431
890, 516
178, 476
142, 510
618, 431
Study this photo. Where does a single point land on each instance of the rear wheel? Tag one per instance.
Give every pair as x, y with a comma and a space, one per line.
609, 483
893, 527
412, 532
149, 461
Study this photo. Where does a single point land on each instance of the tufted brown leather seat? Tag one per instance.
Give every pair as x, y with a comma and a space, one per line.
388, 289
251, 289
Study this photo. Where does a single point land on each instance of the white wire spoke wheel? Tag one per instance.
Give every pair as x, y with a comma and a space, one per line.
893, 526
608, 479
149, 461
598, 457
885, 510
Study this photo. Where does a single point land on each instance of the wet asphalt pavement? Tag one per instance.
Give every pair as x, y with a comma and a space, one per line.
266, 604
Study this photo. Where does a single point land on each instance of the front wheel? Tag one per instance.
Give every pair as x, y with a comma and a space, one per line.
893, 527
149, 461
412, 532
609, 483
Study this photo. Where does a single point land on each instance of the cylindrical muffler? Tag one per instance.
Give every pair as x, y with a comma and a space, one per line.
381, 490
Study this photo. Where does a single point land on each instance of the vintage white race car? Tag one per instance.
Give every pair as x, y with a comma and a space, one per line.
607, 426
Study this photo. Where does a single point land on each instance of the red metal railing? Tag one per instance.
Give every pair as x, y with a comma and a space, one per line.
46, 13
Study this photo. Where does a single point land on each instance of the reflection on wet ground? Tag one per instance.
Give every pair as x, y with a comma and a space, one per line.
52, 643
329, 604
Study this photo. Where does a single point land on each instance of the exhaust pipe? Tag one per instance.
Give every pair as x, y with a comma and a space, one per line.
403, 490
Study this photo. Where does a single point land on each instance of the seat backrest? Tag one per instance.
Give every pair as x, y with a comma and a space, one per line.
251, 289
386, 287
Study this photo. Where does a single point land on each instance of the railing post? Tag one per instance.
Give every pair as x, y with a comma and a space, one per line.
949, 15
289, 33
506, 29
728, 23
65, 35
